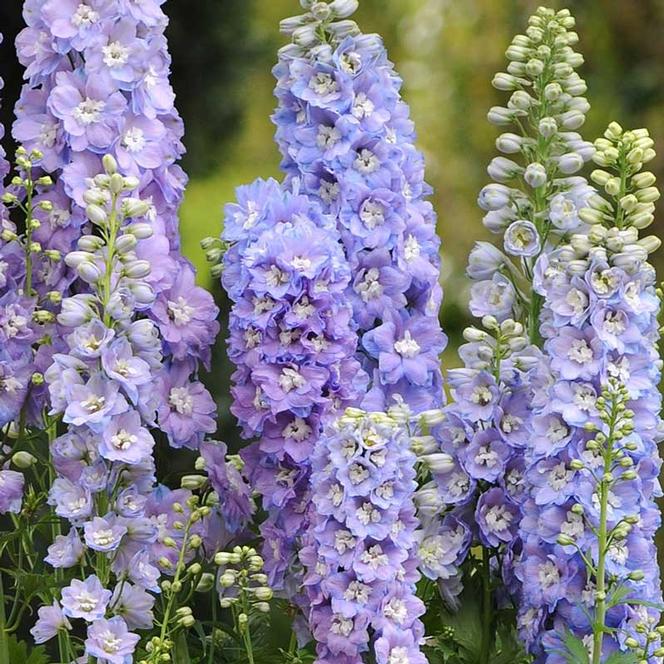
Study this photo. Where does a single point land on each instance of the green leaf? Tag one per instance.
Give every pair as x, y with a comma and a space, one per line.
622, 658
575, 650
20, 652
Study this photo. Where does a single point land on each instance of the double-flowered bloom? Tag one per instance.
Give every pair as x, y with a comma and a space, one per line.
346, 137
361, 547
98, 83
293, 344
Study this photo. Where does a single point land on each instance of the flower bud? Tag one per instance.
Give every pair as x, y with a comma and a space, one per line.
96, 214
138, 269
205, 583
125, 243
140, 230
222, 558
134, 207
89, 272
439, 463
644, 180
498, 115
227, 579
23, 459
193, 482
503, 81
110, 164
509, 143
535, 175
570, 163
344, 8
264, 594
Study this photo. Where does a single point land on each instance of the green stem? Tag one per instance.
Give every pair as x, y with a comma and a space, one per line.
487, 608
4, 636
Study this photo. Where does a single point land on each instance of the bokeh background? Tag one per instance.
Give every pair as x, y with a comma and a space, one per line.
447, 52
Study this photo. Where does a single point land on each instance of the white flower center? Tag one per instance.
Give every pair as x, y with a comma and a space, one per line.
181, 400
357, 592
343, 541
372, 214
486, 457
481, 395
94, 403
340, 625
580, 352
123, 440
134, 140
48, 134
327, 137
300, 263
89, 111
498, 518
110, 642
84, 16
298, 430
103, 537
398, 655
328, 191
557, 430
559, 477
357, 473
323, 84
291, 379
350, 62
548, 574
366, 162
407, 347
363, 107
370, 287
374, 557
262, 304
367, 514
577, 300
115, 54
511, 423
180, 312
86, 601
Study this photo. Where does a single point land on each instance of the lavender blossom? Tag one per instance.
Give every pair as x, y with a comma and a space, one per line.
589, 559
293, 345
360, 552
345, 136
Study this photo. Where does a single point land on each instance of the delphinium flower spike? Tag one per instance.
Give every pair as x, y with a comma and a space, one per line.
589, 565
362, 567
99, 83
292, 342
103, 389
347, 139
531, 207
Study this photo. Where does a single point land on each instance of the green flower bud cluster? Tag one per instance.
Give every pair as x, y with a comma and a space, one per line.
324, 22
627, 207
242, 583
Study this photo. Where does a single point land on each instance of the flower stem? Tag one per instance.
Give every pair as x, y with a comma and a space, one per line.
4, 636
487, 608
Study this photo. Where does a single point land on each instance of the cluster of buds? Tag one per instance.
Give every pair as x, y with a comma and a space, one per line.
322, 23
628, 207
544, 56
488, 348
242, 582
111, 255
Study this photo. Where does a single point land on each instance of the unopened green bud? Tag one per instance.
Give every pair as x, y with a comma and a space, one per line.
577, 464
193, 482
23, 459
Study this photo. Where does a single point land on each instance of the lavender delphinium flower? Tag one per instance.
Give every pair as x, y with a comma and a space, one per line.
346, 137
98, 83
103, 388
292, 342
589, 563
532, 205
360, 552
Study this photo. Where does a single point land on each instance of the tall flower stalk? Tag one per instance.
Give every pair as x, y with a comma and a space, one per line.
588, 566
347, 139
293, 345
361, 557
532, 205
